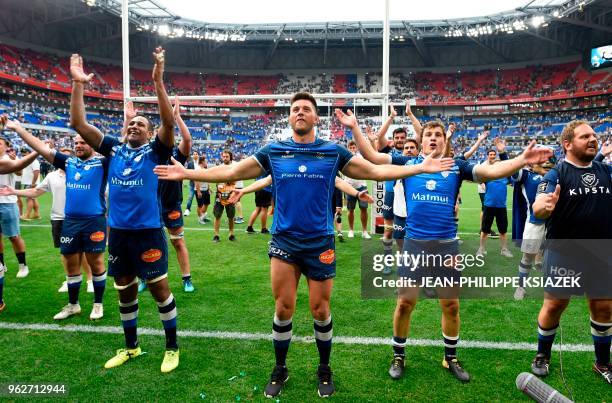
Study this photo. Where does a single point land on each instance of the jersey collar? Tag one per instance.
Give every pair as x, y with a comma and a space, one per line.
578, 166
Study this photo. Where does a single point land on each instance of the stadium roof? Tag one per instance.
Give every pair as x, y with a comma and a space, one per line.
321, 11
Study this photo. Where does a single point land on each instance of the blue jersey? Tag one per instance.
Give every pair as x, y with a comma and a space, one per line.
133, 187
303, 178
496, 193
389, 185
85, 185
583, 208
431, 198
528, 181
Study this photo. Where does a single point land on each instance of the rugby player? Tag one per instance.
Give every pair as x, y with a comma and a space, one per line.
171, 194
224, 190
575, 198
495, 204
83, 232
431, 229
137, 242
303, 170
9, 212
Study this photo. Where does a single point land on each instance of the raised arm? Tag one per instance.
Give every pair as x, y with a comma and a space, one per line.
349, 120
165, 133
418, 128
10, 166
476, 145
359, 168
185, 146
382, 133
248, 168
78, 119
34, 142
503, 169
128, 115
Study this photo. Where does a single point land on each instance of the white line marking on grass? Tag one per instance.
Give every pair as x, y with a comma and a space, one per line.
351, 340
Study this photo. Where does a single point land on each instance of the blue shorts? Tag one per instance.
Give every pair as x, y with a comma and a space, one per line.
399, 227
83, 235
173, 217
437, 254
142, 253
315, 257
388, 206
591, 275
9, 219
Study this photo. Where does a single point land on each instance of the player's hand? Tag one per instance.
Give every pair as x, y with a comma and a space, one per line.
347, 119
431, 165
606, 148
392, 112
9, 124
551, 199
76, 70
500, 144
408, 110
235, 196
176, 109
130, 111
370, 133
365, 197
536, 155
174, 172
7, 191
450, 131
483, 136
159, 57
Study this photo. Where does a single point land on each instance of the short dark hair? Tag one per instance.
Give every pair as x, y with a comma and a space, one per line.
304, 95
414, 141
491, 151
230, 153
399, 130
351, 143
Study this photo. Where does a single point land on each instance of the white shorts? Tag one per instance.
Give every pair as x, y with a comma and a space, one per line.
533, 235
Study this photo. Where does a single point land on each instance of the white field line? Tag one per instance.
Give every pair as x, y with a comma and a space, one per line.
350, 340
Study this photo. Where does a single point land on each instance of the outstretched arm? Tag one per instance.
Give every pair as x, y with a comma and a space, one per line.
382, 133
165, 133
31, 193
253, 187
185, 146
10, 166
359, 168
248, 168
503, 169
468, 154
78, 118
349, 120
345, 187
34, 142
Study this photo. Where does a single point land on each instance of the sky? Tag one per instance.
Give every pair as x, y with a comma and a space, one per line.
284, 11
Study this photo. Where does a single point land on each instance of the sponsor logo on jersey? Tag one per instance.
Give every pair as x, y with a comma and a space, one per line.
87, 167
151, 255
302, 168
589, 179
174, 215
138, 158
97, 236
445, 174
430, 185
77, 176
66, 239
126, 171
327, 257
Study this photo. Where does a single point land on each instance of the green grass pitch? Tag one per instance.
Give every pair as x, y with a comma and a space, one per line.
233, 295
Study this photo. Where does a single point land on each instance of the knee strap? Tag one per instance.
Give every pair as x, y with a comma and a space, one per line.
156, 279
125, 287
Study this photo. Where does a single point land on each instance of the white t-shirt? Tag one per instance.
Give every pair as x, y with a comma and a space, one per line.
55, 183
399, 200
7, 180
28, 173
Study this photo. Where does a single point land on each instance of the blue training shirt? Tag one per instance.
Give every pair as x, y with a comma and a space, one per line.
133, 187
303, 179
528, 182
85, 185
431, 197
496, 193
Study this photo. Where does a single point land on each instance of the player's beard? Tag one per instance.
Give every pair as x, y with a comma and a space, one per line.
303, 130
